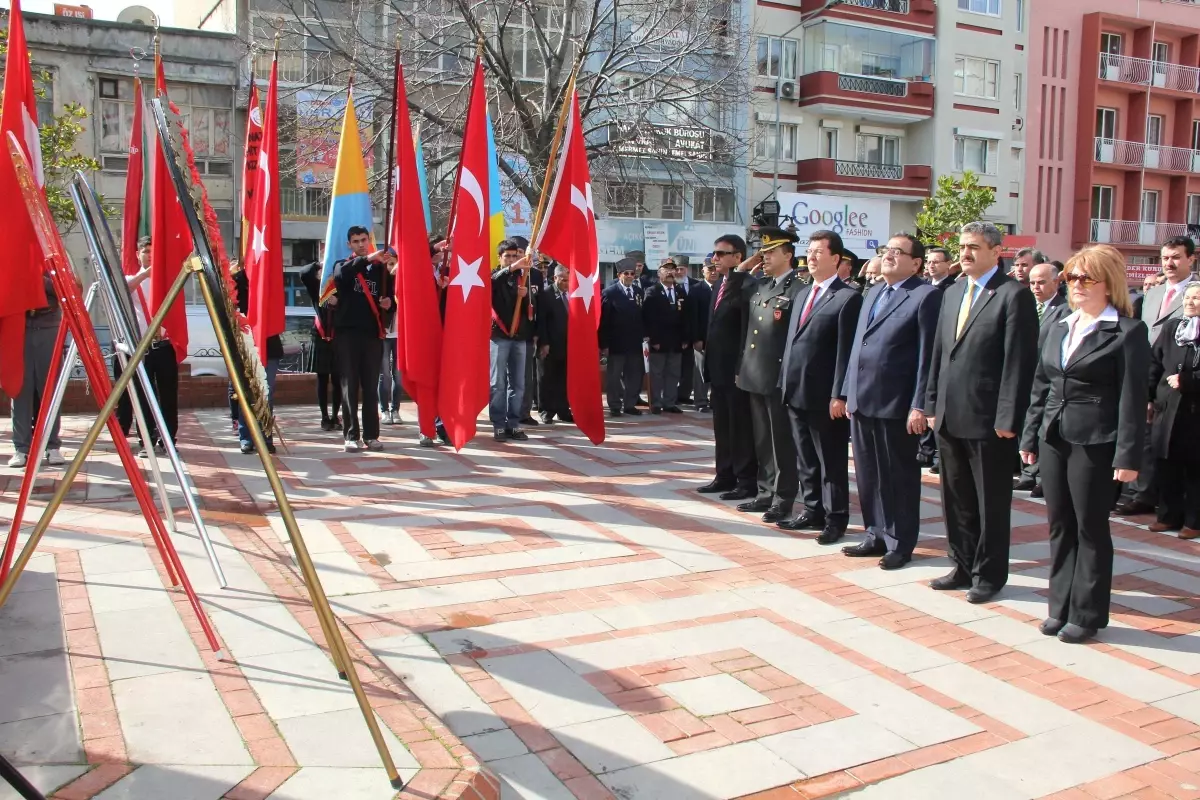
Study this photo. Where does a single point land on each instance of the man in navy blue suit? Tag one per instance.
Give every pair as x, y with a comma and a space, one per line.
621, 341
885, 395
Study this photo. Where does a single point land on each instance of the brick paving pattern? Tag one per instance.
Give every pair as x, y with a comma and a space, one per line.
556, 620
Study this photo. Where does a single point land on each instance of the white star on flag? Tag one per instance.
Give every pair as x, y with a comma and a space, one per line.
468, 276
259, 246
586, 289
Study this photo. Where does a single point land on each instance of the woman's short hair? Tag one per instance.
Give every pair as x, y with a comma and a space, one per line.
1106, 264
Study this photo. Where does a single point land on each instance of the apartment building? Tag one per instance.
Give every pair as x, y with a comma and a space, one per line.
868, 101
1115, 136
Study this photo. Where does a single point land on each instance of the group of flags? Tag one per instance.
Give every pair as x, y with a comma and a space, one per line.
444, 362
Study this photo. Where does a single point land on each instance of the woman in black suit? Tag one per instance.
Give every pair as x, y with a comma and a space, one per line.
1175, 392
1086, 426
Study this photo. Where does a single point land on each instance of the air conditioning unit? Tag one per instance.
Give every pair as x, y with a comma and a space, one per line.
786, 90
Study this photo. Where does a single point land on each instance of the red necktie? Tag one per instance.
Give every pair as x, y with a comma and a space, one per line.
721, 292
1166, 303
808, 307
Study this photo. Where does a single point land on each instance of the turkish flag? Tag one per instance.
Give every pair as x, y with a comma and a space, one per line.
464, 382
418, 320
21, 286
171, 240
264, 256
254, 134
568, 235
135, 185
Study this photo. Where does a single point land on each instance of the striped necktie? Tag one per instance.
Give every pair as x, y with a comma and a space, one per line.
965, 310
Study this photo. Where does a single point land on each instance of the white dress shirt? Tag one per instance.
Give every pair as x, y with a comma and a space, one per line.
1077, 333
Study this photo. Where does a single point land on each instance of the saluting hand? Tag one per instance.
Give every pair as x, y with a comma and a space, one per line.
750, 263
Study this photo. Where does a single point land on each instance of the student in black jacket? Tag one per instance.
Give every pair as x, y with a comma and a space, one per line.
667, 332
358, 336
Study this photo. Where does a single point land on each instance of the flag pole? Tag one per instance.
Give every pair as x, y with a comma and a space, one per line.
546, 183
391, 162
458, 174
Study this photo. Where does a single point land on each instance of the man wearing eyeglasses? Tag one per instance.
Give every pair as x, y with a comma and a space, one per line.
736, 462
621, 341
885, 387
984, 357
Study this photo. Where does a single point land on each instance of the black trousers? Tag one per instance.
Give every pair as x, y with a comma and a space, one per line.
1077, 480
1145, 488
687, 372
324, 381
124, 406
889, 481
928, 446
977, 505
163, 371
777, 475
552, 390
533, 378
623, 379
734, 436
1179, 492
823, 461
359, 359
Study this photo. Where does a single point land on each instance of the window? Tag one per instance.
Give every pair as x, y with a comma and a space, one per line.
1193, 209
1110, 43
767, 145
644, 201
672, 202
989, 7
1020, 15
521, 38
829, 143
976, 77
205, 111
1161, 53
624, 200
977, 155
1106, 123
1154, 128
776, 57
853, 50
714, 205
1018, 79
43, 85
1196, 134
1150, 206
874, 149
1102, 202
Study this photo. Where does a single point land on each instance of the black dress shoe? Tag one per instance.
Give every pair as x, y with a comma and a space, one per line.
716, 487
1132, 508
761, 504
615, 413
740, 493
673, 410
894, 561
936, 469
547, 419
517, 435
655, 410
529, 421
1051, 626
567, 418
831, 535
633, 412
777, 512
949, 582
924, 460
1075, 634
1024, 485
1037, 492
865, 550
805, 521
977, 595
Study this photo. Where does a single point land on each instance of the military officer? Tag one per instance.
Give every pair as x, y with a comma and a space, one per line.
769, 306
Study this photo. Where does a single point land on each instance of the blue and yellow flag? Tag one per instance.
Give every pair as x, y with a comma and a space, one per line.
351, 203
495, 201
422, 180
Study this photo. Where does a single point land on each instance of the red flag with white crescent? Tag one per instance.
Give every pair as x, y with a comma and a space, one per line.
264, 255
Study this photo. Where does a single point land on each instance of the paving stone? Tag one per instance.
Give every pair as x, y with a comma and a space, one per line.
900, 711
151, 709
178, 782
714, 694
377, 603
611, 744
553, 694
836, 745
297, 683
587, 577
942, 780
479, 536
1019, 709
725, 772
260, 631
340, 739
507, 634
34, 685
45, 778
528, 778
496, 745
326, 783
1147, 603
145, 641
1120, 676
677, 609
882, 645
52, 739
125, 591
31, 621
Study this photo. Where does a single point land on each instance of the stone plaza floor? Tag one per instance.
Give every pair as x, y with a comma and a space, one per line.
572, 622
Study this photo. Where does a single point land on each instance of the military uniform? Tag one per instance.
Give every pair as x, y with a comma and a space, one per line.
769, 307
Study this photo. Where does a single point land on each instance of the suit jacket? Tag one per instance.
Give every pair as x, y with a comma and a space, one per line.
1099, 396
621, 321
552, 324
769, 310
664, 322
1057, 308
890, 361
816, 352
979, 383
945, 283
698, 307
1152, 303
726, 332
1174, 408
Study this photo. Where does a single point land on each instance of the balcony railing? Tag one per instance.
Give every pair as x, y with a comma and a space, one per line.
1139, 154
863, 169
304, 202
884, 86
894, 6
1145, 72
1120, 231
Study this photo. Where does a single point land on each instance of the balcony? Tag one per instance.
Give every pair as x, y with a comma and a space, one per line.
1144, 72
872, 97
860, 177
913, 15
1148, 234
1138, 155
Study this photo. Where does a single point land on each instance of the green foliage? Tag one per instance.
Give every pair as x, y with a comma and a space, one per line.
60, 159
954, 204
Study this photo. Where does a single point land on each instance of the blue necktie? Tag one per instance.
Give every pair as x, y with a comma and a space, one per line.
885, 297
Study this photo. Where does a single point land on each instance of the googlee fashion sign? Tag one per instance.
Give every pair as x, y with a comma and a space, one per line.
862, 224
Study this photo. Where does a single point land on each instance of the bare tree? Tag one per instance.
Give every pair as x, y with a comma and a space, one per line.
661, 82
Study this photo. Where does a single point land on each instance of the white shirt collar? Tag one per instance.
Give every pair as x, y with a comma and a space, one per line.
1109, 314
825, 284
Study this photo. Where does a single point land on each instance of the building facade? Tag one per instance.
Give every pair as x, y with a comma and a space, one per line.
1115, 135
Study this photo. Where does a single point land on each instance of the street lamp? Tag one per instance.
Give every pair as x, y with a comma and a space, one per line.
778, 138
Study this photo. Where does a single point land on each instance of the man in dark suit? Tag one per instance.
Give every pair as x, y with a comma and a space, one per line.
1051, 307
941, 273
769, 310
687, 368
984, 356
820, 334
664, 322
698, 305
621, 343
552, 349
886, 382
737, 465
